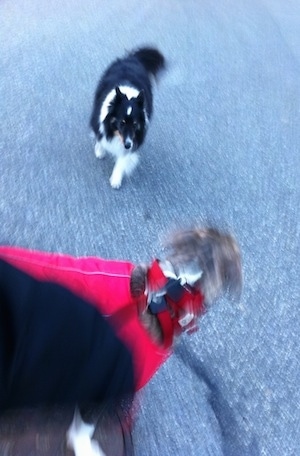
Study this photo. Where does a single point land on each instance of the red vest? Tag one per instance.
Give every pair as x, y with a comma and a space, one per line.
104, 284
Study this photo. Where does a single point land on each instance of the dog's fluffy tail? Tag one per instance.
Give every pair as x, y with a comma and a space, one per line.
151, 59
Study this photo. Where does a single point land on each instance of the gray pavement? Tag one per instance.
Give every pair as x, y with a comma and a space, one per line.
223, 147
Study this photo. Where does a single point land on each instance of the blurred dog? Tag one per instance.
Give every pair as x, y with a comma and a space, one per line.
123, 108
199, 266
128, 317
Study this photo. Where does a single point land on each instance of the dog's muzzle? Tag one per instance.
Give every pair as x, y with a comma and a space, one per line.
128, 143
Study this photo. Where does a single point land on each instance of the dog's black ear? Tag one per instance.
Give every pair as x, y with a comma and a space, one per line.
140, 98
118, 93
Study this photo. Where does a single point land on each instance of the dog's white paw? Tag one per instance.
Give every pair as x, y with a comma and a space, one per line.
99, 150
115, 180
79, 438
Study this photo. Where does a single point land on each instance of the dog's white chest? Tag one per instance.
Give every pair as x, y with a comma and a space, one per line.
114, 147
126, 161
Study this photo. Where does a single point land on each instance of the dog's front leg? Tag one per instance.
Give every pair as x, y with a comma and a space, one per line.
79, 437
124, 165
100, 152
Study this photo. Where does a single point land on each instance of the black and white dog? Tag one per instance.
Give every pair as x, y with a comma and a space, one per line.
123, 108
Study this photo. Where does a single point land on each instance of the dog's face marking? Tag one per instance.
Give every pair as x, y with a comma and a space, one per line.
127, 116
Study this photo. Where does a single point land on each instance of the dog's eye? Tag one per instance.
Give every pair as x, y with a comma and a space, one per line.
123, 122
135, 125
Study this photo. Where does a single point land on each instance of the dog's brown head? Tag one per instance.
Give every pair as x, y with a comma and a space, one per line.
211, 251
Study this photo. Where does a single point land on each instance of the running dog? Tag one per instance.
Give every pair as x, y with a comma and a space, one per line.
123, 107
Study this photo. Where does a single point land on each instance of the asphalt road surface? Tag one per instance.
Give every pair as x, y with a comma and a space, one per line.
223, 147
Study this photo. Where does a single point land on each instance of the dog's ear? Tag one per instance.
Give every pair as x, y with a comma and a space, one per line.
119, 94
138, 280
140, 98
222, 266
217, 255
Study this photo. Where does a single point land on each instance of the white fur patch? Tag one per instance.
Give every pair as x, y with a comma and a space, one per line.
129, 110
79, 438
100, 152
130, 92
125, 163
123, 166
189, 274
114, 147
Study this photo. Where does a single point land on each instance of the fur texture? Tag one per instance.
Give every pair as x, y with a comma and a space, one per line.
209, 251
123, 107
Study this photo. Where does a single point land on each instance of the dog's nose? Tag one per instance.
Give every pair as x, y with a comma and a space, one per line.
128, 144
